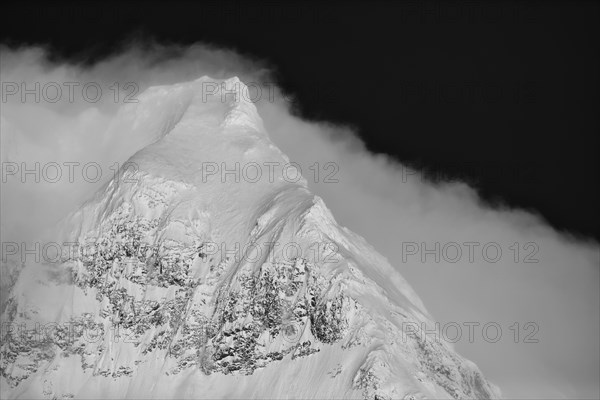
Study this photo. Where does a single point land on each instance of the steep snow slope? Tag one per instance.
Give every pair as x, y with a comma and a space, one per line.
190, 283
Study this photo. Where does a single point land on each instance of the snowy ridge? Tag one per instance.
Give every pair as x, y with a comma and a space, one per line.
189, 285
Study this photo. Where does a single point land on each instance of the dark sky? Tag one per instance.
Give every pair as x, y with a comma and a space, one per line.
502, 94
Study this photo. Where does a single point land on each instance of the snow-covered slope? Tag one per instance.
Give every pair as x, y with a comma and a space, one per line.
190, 283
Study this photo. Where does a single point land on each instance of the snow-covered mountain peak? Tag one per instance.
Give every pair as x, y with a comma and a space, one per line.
209, 270
212, 105
228, 100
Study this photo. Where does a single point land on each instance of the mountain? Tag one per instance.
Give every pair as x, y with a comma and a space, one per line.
206, 269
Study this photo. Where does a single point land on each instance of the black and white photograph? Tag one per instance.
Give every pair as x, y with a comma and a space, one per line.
226, 199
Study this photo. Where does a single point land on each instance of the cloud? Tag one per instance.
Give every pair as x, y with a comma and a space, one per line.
470, 263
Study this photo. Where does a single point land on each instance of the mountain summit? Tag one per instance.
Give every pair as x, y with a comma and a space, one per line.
207, 269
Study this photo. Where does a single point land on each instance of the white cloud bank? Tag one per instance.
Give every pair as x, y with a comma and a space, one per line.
400, 214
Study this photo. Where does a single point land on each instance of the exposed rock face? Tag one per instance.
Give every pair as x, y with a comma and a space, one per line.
184, 284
